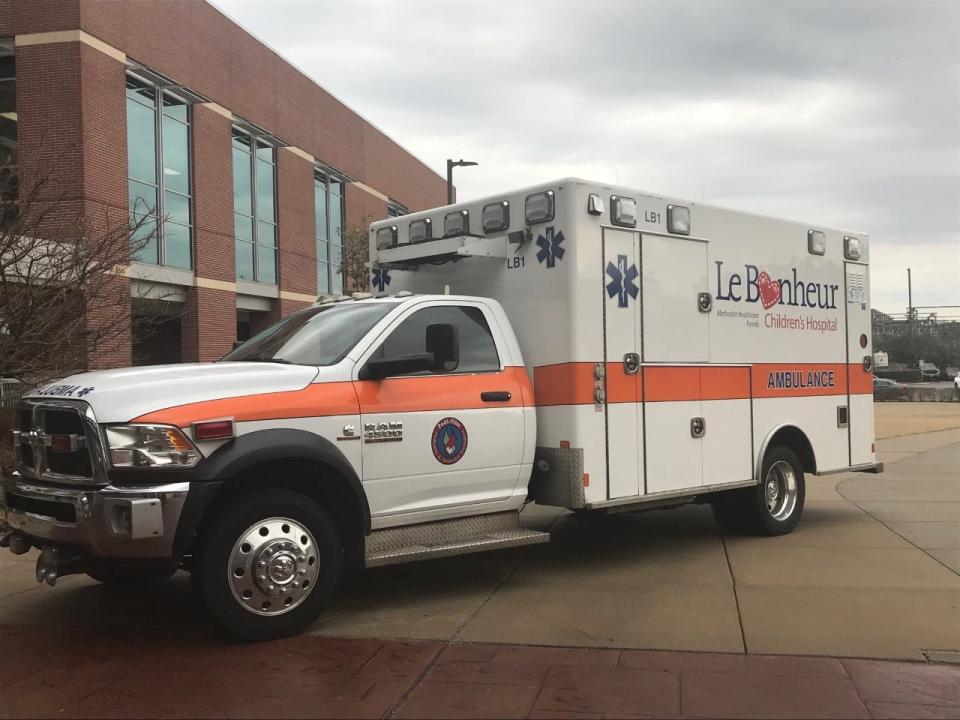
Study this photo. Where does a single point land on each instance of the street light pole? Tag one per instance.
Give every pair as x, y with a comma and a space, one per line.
451, 164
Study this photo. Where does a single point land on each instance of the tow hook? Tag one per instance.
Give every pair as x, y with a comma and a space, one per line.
53, 564
17, 543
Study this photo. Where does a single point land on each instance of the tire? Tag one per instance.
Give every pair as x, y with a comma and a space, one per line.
268, 565
774, 506
119, 575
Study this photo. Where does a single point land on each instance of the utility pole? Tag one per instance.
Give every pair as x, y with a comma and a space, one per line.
909, 304
451, 164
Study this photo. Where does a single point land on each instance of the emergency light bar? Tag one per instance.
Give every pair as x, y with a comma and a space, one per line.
678, 219
539, 208
623, 211
387, 237
851, 248
816, 242
496, 216
456, 223
421, 231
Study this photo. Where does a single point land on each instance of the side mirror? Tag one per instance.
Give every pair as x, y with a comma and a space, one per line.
379, 368
443, 342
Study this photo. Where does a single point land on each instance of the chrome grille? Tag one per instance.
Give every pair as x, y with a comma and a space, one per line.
59, 442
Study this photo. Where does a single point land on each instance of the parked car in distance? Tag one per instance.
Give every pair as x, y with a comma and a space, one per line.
929, 371
887, 389
956, 381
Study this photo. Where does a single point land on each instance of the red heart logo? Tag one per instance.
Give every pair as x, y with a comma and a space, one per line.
769, 291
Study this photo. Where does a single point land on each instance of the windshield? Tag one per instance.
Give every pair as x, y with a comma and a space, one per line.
314, 335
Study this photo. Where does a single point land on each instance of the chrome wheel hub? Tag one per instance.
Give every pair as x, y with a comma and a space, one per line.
273, 566
780, 490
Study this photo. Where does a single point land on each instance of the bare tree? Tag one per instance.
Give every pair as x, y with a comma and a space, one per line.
64, 299
356, 257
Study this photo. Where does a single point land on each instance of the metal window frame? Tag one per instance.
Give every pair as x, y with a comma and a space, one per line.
251, 132
158, 214
328, 174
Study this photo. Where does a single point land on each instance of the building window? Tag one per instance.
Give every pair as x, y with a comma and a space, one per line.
255, 207
328, 203
395, 209
8, 126
158, 174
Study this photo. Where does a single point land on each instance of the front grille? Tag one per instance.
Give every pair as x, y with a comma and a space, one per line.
57, 441
60, 511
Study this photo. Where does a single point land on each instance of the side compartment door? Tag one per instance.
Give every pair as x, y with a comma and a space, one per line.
447, 438
859, 380
621, 318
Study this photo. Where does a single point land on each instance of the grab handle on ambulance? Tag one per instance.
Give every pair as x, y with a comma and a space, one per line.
495, 396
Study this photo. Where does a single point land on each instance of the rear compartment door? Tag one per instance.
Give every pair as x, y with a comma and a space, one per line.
859, 379
621, 317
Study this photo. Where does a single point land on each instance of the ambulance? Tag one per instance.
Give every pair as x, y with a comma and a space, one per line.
574, 344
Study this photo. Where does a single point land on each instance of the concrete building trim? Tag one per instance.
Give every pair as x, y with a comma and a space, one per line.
369, 190
298, 297
219, 109
299, 153
67, 36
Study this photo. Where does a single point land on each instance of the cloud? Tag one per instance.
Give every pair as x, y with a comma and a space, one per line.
838, 113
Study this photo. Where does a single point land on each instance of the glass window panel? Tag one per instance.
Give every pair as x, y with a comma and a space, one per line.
267, 268
175, 108
176, 156
336, 281
265, 152
336, 255
241, 182
336, 221
143, 239
322, 251
336, 188
266, 234
241, 142
141, 142
322, 284
244, 260
176, 245
140, 92
243, 228
320, 207
176, 207
143, 198
265, 191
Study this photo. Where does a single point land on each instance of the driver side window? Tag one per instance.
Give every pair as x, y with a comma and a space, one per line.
477, 351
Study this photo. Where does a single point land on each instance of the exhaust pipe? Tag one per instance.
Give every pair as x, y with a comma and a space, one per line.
53, 564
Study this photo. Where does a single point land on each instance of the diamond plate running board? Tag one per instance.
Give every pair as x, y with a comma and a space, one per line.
449, 537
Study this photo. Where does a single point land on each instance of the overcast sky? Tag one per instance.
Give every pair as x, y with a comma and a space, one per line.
837, 112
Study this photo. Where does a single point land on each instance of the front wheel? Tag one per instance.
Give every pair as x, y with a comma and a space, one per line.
775, 505
269, 565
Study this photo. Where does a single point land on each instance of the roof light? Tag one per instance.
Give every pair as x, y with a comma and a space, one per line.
539, 208
496, 216
816, 242
421, 231
678, 219
851, 248
387, 237
623, 211
594, 204
456, 223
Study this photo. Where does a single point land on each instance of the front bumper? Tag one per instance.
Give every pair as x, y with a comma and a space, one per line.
105, 522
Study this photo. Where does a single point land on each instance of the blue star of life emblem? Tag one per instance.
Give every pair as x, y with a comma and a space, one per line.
551, 247
380, 278
622, 282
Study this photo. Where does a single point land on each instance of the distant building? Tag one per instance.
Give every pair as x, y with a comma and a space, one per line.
249, 170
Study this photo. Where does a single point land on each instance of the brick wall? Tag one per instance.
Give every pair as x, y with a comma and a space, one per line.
296, 223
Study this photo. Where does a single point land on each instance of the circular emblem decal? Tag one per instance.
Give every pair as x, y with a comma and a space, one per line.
449, 441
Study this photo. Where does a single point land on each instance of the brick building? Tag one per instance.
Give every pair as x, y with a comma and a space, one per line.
168, 112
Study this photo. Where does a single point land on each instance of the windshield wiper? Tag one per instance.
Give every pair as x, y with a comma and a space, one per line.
270, 360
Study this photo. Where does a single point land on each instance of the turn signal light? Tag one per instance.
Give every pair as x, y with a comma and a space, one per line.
213, 430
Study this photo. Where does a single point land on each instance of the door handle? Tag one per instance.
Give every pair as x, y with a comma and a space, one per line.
495, 396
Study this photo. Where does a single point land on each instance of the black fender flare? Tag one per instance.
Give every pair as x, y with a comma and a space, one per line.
261, 446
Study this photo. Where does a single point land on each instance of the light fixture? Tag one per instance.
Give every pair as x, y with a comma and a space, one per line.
623, 211
420, 231
456, 223
851, 248
496, 216
678, 219
816, 242
539, 207
387, 237
594, 204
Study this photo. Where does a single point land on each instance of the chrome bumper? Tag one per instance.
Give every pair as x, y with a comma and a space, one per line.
107, 522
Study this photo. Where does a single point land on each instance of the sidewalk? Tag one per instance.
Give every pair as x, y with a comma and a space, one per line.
90, 673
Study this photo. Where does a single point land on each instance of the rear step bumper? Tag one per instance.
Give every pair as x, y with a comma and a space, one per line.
444, 538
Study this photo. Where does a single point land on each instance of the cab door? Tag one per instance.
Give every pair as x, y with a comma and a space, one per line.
445, 438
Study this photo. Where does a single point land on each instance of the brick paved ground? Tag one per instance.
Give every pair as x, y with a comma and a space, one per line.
114, 673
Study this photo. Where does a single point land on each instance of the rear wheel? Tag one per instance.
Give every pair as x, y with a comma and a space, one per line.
269, 565
775, 505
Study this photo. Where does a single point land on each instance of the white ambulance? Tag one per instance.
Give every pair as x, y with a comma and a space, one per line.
576, 344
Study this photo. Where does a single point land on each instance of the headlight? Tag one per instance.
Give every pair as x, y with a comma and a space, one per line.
150, 446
